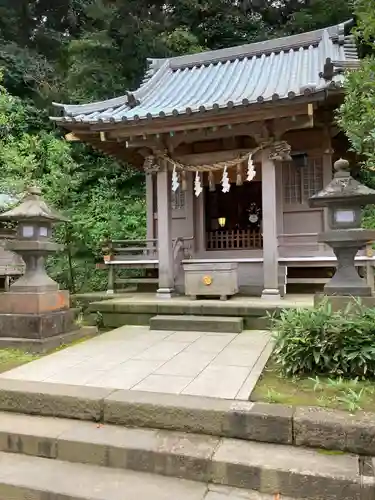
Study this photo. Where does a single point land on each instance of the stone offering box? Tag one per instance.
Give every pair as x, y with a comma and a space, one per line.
214, 280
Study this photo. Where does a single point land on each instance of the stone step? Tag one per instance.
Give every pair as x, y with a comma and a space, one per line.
227, 324
254, 421
26, 478
267, 468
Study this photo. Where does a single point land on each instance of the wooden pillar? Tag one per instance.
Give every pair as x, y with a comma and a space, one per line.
150, 206
327, 162
270, 241
165, 255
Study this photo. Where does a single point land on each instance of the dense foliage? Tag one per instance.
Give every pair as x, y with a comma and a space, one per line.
80, 50
320, 341
357, 115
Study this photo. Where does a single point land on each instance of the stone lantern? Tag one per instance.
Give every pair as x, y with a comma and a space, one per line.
33, 241
344, 197
34, 313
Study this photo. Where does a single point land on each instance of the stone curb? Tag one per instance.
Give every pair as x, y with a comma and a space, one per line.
217, 417
54, 400
268, 468
302, 426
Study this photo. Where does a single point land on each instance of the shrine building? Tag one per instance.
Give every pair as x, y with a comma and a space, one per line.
233, 143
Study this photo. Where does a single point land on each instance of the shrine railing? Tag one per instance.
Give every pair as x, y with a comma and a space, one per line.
236, 239
142, 257
125, 250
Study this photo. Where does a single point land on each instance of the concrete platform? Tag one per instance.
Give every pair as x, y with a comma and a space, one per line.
220, 324
139, 308
222, 365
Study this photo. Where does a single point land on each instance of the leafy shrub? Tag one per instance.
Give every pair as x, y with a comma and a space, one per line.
320, 341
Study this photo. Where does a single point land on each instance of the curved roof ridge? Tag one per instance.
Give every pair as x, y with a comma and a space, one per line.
258, 48
155, 77
77, 109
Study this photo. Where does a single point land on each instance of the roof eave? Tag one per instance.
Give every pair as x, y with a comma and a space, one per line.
319, 95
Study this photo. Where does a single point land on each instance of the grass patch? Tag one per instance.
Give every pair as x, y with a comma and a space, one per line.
350, 395
11, 358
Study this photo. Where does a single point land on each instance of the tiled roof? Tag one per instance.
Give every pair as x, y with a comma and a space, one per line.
283, 68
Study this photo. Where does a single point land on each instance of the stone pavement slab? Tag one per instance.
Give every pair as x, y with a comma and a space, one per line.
224, 365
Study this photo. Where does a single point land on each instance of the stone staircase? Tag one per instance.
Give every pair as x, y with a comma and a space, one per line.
112, 445
222, 324
84, 460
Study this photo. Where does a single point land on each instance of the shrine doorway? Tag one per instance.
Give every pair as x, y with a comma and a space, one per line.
234, 219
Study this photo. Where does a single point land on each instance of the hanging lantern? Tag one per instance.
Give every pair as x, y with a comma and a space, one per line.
221, 221
239, 180
211, 181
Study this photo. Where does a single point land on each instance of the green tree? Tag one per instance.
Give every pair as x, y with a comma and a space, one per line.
103, 199
82, 50
357, 114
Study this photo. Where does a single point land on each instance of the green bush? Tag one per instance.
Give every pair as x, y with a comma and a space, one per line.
319, 341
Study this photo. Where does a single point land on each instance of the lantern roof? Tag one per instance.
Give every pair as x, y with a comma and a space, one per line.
343, 190
33, 207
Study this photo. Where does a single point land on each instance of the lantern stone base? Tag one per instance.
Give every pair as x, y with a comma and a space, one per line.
40, 321
33, 303
341, 302
37, 326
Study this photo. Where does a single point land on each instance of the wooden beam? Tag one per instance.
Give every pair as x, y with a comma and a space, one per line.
208, 158
257, 130
211, 133
208, 119
283, 125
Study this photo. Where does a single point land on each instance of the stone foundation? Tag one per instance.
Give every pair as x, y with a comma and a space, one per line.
49, 343
38, 321
37, 326
33, 303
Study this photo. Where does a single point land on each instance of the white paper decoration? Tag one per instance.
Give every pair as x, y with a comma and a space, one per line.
197, 185
225, 181
175, 180
251, 173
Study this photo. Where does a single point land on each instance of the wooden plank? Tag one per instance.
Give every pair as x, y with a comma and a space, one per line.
132, 249
133, 242
126, 281
307, 280
133, 263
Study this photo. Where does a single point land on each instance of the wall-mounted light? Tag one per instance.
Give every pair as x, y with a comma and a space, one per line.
221, 221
